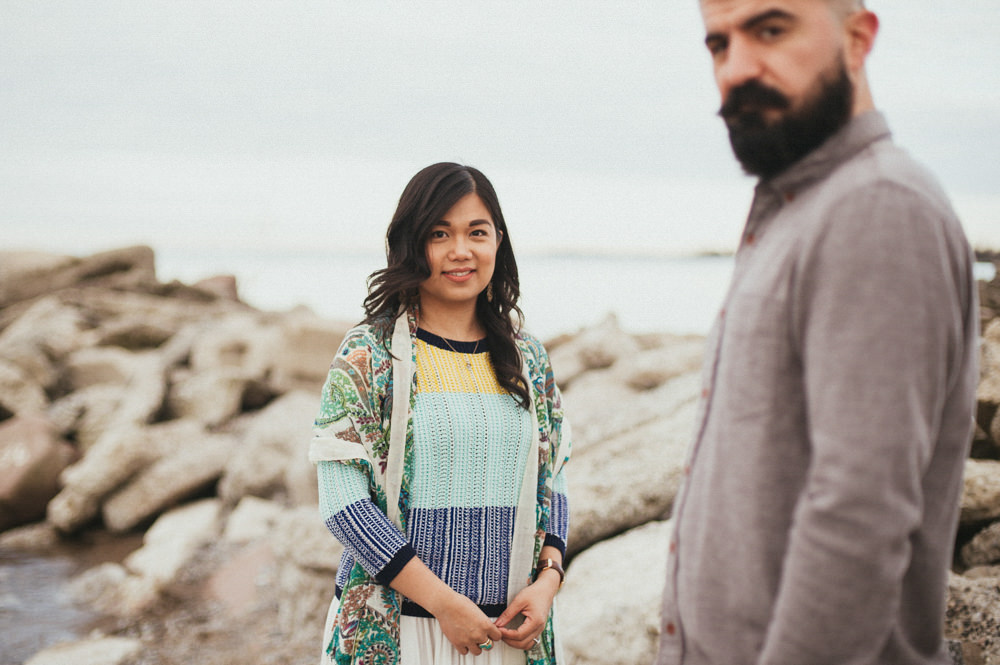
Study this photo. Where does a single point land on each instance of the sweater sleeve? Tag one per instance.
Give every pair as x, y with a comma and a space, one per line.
352, 517
557, 533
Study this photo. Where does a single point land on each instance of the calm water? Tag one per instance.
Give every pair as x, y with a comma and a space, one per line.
35, 611
560, 294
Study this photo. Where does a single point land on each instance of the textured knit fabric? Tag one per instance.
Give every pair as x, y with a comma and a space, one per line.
470, 438
367, 423
817, 521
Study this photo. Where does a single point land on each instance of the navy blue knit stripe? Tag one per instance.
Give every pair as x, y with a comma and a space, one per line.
368, 534
559, 517
468, 548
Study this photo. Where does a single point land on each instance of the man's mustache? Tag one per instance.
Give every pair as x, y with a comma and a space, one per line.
752, 95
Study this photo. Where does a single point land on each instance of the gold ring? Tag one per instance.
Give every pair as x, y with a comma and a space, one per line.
487, 645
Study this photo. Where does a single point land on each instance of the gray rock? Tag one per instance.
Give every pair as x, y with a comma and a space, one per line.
628, 480
85, 415
98, 365
301, 538
309, 345
973, 616
981, 494
210, 396
120, 454
19, 392
252, 519
596, 405
273, 453
48, 330
174, 539
130, 267
40, 537
980, 572
988, 391
244, 341
193, 464
97, 651
31, 459
984, 548
597, 347
617, 623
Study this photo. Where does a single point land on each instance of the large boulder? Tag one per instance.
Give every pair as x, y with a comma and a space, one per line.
173, 540
309, 344
195, 461
44, 333
212, 396
597, 347
272, 460
609, 608
130, 267
629, 480
984, 548
595, 411
246, 341
981, 494
31, 458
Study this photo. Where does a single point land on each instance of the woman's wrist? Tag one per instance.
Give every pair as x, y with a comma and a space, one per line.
551, 569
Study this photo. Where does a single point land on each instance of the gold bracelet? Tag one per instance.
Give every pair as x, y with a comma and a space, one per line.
554, 565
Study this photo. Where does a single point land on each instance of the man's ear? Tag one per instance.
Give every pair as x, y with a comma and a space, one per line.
860, 28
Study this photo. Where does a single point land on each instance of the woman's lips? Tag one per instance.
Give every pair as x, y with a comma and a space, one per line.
459, 275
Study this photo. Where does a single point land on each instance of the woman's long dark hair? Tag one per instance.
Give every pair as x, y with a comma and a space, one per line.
428, 196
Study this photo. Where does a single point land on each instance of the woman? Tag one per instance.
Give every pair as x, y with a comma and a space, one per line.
440, 447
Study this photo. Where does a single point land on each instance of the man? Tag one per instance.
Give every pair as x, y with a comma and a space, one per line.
817, 520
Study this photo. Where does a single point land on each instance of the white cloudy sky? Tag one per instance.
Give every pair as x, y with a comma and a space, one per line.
296, 124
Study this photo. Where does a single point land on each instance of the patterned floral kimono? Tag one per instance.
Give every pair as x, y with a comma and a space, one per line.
366, 420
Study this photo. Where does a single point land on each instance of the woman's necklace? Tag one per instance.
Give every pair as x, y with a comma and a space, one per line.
467, 356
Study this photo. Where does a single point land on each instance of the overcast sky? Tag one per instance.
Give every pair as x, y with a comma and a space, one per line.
296, 124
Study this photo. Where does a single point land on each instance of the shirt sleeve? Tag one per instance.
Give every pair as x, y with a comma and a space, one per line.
878, 321
351, 516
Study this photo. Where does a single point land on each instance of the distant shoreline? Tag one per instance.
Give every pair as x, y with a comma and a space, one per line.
987, 255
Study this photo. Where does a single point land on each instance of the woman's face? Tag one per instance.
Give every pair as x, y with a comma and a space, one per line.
461, 253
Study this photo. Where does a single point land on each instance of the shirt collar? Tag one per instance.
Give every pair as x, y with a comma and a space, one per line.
855, 136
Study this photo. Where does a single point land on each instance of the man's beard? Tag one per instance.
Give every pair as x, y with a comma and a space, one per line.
766, 149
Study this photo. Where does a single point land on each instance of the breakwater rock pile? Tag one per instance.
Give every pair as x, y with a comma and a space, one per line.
180, 413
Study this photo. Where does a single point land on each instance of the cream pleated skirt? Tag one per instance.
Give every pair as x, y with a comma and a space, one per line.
422, 642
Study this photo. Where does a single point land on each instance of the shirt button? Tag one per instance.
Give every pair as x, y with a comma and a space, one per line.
670, 628
673, 547
704, 392
750, 238
789, 196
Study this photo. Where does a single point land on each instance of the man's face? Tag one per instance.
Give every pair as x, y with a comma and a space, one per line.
780, 69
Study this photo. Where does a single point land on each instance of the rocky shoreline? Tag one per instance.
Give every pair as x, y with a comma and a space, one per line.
181, 414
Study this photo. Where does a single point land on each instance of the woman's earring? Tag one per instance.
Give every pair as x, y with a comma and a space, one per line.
489, 291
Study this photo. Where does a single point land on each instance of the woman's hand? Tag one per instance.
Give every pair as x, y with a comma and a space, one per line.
534, 602
465, 625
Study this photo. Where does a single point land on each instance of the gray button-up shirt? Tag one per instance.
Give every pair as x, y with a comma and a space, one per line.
817, 521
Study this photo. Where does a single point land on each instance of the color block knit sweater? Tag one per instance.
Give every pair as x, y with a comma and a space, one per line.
470, 444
